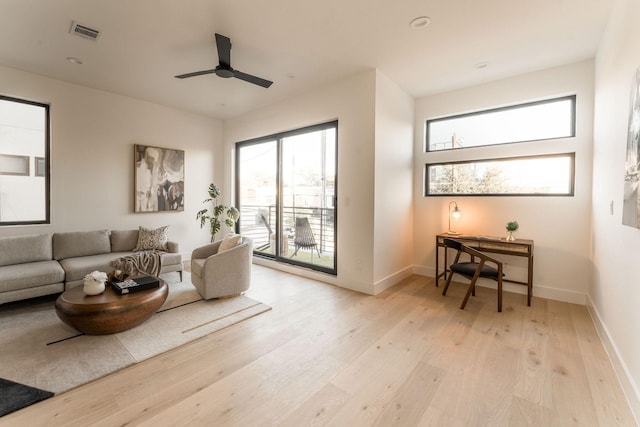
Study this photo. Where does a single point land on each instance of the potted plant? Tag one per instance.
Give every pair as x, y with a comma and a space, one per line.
217, 214
511, 227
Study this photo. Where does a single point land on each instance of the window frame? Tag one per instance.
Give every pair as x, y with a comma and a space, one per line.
573, 98
278, 138
571, 193
47, 163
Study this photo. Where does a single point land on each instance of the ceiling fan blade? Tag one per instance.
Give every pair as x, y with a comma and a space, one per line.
224, 50
197, 73
252, 79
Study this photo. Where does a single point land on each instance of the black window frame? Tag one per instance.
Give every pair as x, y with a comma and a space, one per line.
571, 193
47, 162
505, 108
278, 139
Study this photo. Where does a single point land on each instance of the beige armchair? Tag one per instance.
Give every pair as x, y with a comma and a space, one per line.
223, 274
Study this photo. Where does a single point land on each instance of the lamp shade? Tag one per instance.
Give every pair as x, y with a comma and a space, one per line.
455, 213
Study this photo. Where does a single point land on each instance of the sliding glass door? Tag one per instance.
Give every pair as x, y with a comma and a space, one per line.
286, 193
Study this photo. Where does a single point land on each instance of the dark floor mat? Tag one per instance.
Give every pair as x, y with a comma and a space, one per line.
14, 396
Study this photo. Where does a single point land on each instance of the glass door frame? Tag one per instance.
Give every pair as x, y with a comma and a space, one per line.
279, 208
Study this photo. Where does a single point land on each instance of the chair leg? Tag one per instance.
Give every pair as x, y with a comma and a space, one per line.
471, 289
447, 283
499, 294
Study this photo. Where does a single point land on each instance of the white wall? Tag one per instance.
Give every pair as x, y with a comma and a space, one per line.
352, 102
558, 225
393, 206
92, 138
614, 293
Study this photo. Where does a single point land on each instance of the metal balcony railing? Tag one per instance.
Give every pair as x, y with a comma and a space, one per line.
259, 223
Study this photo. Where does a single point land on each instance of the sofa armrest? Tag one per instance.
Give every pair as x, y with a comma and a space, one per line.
206, 251
173, 247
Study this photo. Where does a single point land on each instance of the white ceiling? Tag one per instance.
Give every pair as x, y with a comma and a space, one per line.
298, 44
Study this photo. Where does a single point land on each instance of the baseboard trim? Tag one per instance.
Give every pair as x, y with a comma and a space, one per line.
298, 271
424, 271
629, 387
391, 280
538, 290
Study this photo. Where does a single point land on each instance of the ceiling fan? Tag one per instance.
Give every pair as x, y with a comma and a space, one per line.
224, 67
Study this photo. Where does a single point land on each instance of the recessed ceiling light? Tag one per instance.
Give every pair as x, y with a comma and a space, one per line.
420, 22
74, 60
481, 65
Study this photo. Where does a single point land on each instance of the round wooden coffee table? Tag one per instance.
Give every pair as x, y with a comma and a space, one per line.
109, 312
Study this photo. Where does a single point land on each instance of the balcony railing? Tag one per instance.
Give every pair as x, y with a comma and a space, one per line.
259, 223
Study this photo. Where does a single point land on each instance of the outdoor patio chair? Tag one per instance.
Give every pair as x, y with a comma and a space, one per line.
304, 237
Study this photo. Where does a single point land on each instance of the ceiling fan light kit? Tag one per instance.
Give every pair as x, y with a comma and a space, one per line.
224, 68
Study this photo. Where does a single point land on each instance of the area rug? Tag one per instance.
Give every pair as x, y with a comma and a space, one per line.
38, 350
14, 396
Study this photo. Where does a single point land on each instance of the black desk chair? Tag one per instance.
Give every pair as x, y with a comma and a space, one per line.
472, 270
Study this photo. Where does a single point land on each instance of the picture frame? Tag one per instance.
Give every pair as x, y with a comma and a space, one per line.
631, 202
158, 179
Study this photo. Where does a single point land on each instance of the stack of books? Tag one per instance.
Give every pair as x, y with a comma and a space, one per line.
135, 284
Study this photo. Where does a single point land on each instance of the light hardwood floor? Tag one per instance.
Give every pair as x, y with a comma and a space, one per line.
329, 356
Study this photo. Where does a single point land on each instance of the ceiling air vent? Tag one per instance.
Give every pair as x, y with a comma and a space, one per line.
84, 31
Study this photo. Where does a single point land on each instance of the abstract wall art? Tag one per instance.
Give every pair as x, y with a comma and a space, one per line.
159, 179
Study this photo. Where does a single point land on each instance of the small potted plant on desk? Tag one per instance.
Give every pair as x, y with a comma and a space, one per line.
511, 227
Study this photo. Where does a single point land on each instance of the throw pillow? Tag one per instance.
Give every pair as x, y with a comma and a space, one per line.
149, 239
230, 241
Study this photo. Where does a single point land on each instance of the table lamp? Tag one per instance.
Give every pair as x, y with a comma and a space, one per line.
454, 213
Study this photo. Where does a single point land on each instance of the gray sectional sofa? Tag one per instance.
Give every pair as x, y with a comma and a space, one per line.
43, 264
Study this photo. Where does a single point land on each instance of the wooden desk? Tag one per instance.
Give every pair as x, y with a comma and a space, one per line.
519, 247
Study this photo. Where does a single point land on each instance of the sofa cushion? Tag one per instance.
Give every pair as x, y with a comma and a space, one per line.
21, 249
77, 268
150, 239
80, 243
123, 240
24, 276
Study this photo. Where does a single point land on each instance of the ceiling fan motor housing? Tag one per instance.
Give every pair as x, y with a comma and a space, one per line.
224, 72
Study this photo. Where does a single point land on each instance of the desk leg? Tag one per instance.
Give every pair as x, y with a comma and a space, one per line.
437, 262
530, 281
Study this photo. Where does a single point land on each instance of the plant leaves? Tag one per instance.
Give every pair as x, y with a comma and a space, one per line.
214, 191
218, 210
215, 213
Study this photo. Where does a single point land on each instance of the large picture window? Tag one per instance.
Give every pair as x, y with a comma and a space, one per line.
532, 121
550, 175
24, 162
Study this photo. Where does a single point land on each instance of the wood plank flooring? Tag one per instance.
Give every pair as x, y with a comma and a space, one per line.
329, 356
